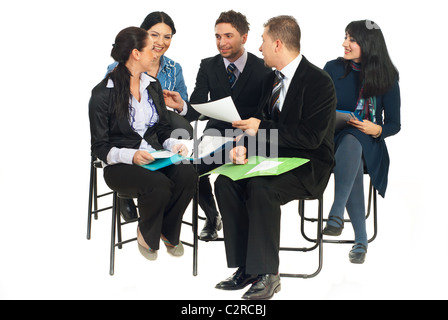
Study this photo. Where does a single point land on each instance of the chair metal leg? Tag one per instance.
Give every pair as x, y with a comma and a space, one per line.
112, 236
119, 224
195, 232
375, 215
91, 199
371, 202
194, 225
319, 243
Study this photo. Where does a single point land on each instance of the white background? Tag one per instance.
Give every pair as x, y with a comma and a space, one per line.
54, 52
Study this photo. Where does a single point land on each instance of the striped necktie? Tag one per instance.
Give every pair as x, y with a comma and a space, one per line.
231, 75
275, 99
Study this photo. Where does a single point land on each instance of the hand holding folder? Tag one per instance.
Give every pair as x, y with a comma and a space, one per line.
342, 117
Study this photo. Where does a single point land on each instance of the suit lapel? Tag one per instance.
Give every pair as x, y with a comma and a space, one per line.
291, 103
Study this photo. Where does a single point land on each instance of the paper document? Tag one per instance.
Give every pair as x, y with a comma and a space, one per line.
258, 166
211, 144
223, 109
160, 154
265, 166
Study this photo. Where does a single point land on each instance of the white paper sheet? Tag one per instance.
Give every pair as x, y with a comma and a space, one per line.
223, 109
265, 166
162, 154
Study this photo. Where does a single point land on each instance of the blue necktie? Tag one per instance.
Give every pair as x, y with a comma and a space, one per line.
231, 75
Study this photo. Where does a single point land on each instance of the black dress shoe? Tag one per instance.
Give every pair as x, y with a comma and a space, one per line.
210, 230
264, 287
332, 230
127, 209
360, 256
237, 281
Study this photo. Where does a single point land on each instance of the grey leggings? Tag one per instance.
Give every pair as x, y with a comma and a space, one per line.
349, 187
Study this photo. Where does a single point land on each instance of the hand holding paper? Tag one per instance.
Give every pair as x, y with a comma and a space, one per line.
250, 126
223, 109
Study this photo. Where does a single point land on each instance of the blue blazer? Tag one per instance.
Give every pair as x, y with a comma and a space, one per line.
375, 153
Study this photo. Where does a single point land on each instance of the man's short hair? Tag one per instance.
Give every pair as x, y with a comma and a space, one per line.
286, 29
236, 19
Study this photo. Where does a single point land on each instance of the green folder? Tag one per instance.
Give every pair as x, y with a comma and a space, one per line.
258, 166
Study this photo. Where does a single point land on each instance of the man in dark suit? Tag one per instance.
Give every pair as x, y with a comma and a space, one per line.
233, 72
299, 109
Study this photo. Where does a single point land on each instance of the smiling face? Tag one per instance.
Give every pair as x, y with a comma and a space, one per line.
161, 35
229, 41
352, 50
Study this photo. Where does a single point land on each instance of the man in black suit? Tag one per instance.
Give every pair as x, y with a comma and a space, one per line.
216, 80
302, 117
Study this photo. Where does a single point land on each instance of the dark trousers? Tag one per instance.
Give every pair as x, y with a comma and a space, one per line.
206, 197
162, 196
250, 210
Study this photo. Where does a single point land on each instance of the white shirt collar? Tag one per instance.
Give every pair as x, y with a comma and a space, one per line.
291, 68
145, 80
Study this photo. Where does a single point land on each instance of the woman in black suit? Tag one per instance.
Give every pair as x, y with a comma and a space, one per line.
128, 121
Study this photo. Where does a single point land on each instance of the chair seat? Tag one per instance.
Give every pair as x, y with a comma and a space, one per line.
124, 196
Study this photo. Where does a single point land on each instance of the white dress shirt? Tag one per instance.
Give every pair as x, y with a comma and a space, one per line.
288, 72
240, 63
142, 115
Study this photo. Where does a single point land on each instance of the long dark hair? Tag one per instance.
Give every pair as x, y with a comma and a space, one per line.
378, 73
158, 17
127, 40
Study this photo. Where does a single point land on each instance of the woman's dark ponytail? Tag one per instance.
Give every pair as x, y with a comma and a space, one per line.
126, 41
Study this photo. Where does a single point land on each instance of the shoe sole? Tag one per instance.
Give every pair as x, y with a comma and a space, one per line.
234, 288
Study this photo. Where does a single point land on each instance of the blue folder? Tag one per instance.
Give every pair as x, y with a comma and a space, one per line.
164, 162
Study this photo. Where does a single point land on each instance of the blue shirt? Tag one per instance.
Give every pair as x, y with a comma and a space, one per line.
170, 76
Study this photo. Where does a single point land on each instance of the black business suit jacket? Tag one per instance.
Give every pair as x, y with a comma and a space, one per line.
212, 84
108, 131
306, 124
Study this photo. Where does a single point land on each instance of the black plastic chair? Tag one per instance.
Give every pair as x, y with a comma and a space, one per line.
372, 203
117, 223
93, 209
318, 241
116, 235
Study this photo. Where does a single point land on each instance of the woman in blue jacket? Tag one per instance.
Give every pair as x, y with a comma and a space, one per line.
366, 83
